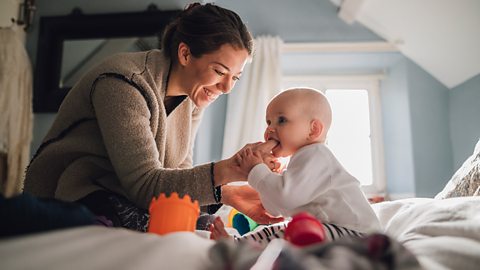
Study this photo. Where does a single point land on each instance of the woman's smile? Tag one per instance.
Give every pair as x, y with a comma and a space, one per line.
210, 94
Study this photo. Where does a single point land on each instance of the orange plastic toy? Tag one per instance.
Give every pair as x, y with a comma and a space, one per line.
172, 214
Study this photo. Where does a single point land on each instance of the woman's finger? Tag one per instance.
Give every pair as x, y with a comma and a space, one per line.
266, 147
238, 158
250, 145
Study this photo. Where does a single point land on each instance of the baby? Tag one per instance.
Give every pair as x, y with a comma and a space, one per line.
314, 180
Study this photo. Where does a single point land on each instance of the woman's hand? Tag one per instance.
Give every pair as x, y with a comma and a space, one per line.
229, 170
265, 150
262, 149
247, 201
247, 159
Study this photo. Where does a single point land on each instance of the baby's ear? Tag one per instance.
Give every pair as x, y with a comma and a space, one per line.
316, 129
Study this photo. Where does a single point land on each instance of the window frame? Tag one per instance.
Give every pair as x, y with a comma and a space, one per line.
371, 83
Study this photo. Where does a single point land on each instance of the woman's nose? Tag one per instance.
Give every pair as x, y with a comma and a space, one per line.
226, 85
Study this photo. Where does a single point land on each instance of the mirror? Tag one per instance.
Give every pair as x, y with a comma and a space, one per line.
70, 45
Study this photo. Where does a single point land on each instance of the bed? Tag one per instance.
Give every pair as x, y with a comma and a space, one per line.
441, 233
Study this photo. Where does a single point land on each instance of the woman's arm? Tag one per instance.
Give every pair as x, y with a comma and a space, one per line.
124, 120
246, 200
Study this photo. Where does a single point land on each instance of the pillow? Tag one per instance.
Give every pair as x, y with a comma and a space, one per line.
466, 181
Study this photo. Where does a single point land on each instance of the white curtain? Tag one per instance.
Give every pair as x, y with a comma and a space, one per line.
15, 111
261, 80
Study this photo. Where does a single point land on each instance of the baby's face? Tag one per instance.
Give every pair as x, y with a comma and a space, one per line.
286, 124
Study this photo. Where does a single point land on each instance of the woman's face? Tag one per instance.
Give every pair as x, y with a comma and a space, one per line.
211, 75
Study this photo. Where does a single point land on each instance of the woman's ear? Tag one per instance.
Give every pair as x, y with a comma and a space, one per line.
316, 129
183, 53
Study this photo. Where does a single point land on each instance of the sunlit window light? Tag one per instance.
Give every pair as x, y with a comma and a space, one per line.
349, 136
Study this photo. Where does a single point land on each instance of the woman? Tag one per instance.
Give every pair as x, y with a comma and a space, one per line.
125, 131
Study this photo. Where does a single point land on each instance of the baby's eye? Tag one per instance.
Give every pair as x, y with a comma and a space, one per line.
282, 120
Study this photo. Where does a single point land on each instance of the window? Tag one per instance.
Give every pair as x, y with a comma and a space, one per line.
355, 136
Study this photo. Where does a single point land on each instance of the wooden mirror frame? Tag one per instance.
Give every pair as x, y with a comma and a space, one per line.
47, 95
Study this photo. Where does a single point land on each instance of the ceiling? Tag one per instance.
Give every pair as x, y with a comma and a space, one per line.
441, 36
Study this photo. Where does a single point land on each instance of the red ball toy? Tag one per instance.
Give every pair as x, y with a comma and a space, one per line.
304, 229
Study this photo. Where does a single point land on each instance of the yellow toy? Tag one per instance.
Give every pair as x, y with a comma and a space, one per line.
241, 222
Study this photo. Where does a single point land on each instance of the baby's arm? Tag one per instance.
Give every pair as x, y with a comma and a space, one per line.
307, 177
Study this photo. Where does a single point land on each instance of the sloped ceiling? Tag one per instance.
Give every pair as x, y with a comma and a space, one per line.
441, 36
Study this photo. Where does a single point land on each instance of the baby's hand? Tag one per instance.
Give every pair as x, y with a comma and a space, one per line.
248, 158
272, 162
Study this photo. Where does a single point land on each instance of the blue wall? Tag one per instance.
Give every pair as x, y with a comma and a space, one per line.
397, 132
209, 141
431, 144
418, 149
464, 119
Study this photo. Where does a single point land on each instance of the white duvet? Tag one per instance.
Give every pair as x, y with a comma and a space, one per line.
443, 234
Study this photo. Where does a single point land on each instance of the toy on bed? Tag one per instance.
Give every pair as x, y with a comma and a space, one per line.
241, 222
172, 214
304, 230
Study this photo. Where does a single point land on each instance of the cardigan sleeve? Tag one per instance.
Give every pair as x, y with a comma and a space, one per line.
124, 120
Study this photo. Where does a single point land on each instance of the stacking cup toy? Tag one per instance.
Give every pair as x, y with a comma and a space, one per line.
172, 214
304, 229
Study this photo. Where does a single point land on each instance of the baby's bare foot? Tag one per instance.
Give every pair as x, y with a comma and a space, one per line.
217, 229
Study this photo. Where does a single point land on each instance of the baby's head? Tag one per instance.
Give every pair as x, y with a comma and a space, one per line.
297, 117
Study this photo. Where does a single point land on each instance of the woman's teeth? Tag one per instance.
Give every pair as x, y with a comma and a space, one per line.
210, 94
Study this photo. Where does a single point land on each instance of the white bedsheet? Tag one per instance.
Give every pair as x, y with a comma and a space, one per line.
96, 247
443, 234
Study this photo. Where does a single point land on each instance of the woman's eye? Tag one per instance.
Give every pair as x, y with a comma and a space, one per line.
235, 78
219, 72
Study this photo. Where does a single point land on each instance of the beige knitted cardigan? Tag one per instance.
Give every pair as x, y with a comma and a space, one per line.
111, 132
